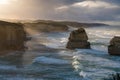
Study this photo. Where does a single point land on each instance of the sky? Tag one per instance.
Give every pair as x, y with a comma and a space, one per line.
72, 10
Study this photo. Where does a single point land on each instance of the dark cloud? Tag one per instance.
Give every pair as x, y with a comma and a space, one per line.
102, 13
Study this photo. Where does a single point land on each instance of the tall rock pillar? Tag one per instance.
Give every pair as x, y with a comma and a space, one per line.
78, 39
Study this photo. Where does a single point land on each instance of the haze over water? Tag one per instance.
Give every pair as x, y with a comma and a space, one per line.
63, 64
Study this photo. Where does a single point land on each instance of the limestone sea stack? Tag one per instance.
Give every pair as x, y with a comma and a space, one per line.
78, 39
114, 47
12, 37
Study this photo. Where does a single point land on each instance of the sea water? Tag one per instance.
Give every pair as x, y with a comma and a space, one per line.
63, 64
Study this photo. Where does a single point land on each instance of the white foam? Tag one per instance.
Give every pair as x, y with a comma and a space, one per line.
47, 60
65, 53
102, 32
83, 74
102, 63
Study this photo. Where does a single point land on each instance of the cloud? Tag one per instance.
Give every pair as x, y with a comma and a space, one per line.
94, 4
62, 8
89, 10
89, 4
73, 10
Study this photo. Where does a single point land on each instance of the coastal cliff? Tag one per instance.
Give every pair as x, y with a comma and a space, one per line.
56, 26
12, 37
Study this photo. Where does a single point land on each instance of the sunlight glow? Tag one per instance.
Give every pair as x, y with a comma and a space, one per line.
4, 1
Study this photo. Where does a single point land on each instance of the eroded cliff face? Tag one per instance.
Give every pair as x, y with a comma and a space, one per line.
12, 37
78, 39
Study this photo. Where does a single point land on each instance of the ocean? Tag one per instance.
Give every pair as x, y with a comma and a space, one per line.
48, 59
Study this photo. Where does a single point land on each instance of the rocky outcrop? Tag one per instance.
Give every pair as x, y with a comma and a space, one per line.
114, 47
78, 39
12, 37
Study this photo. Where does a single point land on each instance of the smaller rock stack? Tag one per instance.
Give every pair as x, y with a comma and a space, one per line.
78, 39
114, 47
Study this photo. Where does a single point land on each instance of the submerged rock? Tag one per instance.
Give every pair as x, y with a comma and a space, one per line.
114, 47
78, 39
12, 37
